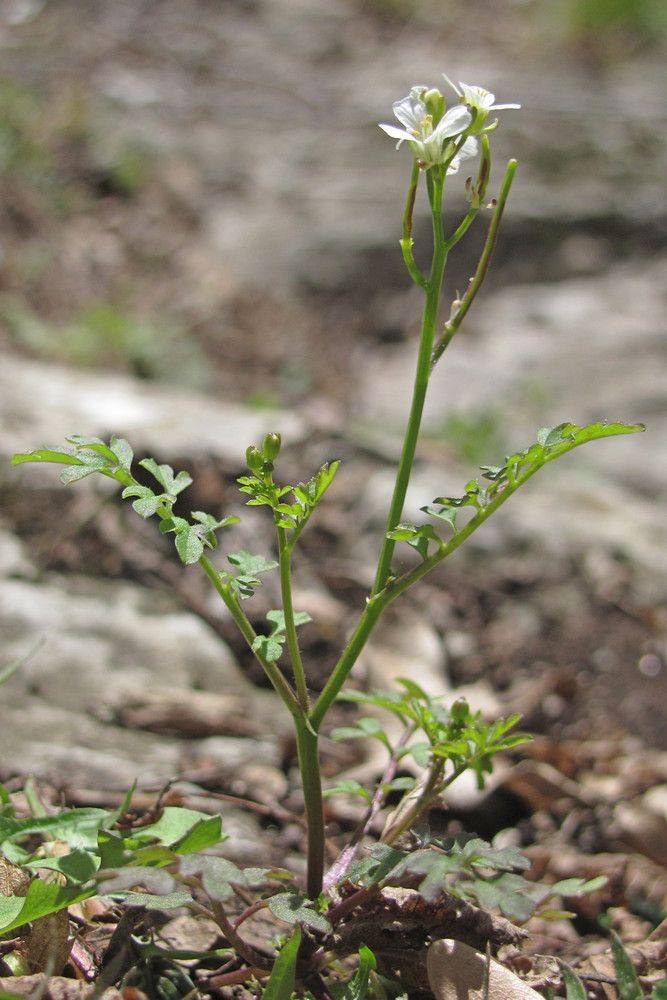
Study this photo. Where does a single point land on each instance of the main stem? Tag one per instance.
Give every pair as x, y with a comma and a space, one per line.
311, 781
435, 183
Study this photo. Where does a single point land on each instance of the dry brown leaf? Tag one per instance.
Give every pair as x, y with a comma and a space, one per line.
57, 988
14, 880
458, 972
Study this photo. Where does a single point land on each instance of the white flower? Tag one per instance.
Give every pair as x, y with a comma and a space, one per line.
430, 143
468, 149
480, 101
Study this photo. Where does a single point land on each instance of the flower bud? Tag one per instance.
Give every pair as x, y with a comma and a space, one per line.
254, 458
435, 103
271, 447
459, 711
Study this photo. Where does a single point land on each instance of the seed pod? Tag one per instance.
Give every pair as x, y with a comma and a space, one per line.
458, 972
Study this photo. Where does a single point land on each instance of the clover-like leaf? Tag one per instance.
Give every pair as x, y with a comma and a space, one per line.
250, 566
173, 485
380, 864
277, 619
268, 646
147, 503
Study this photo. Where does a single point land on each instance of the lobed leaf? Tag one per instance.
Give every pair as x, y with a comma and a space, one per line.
147, 504
172, 485
250, 566
552, 442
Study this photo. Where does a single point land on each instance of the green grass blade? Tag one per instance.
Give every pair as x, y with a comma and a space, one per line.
574, 988
628, 984
281, 981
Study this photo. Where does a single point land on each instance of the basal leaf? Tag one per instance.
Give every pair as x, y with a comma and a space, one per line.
217, 874
205, 833
292, 908
114, 849
42, 898
78, 827
175, 825
156, 880
383, 860
165, 901
77, 867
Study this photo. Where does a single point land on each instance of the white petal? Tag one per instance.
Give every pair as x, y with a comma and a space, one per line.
477, 96
468, 149
397, 133
455, 121
452, 85
410, 111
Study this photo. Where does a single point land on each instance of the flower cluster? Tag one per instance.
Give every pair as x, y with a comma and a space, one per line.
438, 136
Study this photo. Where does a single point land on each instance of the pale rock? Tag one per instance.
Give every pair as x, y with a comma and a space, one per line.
156, 419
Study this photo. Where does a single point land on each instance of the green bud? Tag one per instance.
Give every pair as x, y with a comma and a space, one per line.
254, 458
459, 711
435, 103
271, 447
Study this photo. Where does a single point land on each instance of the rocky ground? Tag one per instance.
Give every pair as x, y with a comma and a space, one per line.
199, 226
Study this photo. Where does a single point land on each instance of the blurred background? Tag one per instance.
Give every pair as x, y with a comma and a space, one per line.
196, 198
197, 190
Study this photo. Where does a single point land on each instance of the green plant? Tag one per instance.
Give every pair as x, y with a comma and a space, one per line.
627, 981
409, 887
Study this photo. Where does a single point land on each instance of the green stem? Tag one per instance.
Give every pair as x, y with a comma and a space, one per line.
409, 578
290, 628
307, 739
406, 242
311, 781
281, 685
376, 605
369, 618
413, 805
435, 182
452, 325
